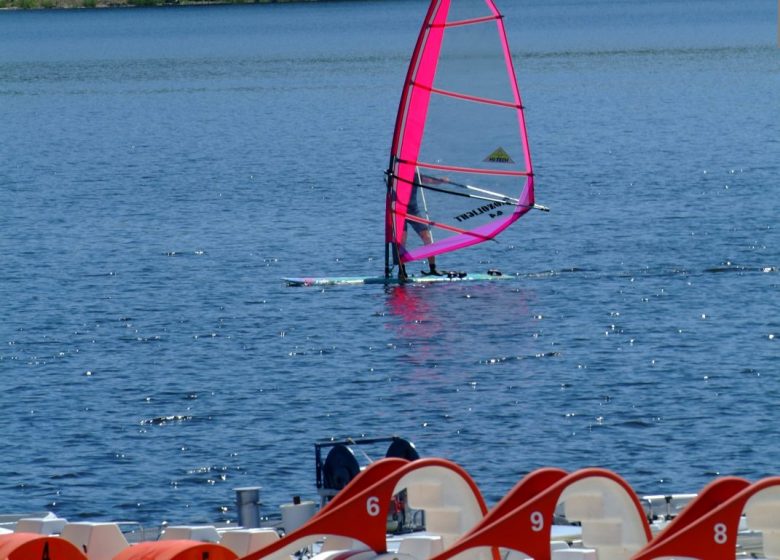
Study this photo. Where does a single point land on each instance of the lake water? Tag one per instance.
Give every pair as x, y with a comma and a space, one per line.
163, 169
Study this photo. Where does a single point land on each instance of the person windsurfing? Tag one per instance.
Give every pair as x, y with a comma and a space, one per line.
421, 228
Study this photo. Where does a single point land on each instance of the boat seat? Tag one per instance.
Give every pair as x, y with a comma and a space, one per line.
610, 515
443, 520
41, 525
352, 554
244, 541
199, 533
575, 554
389, 556
584, 506
422, 495
99, 541
604, 532
763, 516
510, 554
771, 544
421, 547
337, 542
762, 513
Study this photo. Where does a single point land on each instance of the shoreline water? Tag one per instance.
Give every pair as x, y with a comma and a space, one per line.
167, 167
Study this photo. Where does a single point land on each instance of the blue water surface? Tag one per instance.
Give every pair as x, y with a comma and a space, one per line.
163, 169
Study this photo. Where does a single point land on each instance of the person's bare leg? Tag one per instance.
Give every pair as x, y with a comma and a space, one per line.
427, 238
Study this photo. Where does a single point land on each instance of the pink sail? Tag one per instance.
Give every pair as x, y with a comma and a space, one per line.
460, 166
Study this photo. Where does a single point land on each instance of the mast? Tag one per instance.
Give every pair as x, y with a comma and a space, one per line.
391, 237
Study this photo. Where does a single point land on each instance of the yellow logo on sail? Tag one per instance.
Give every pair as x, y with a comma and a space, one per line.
499, 155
